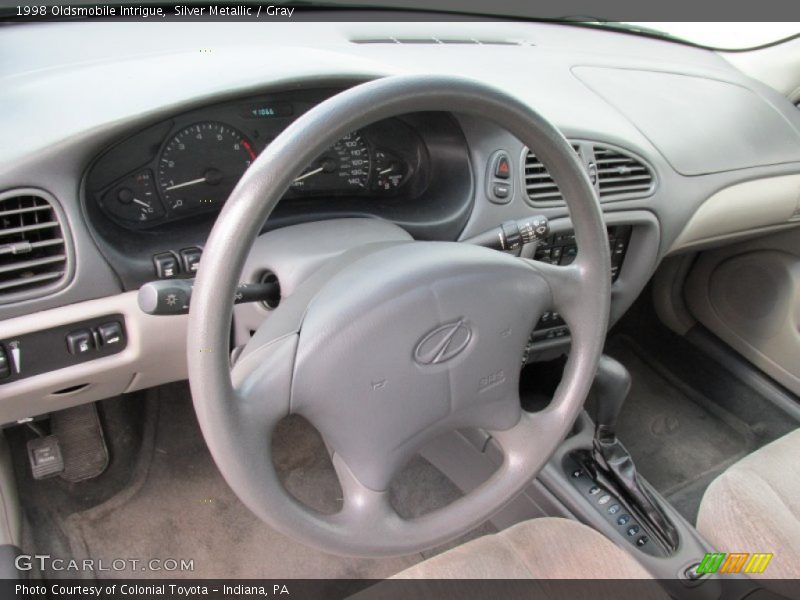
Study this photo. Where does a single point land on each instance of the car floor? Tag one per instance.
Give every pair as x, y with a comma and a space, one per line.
686, 418
177, 505
679, 440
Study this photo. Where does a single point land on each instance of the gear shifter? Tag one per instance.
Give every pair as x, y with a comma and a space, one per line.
611, 386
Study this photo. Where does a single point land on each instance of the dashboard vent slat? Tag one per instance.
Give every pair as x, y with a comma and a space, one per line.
438, 41
620, 173
538, 183
33, 251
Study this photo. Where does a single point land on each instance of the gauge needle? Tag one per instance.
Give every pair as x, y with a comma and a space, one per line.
185, 183
389, 170
140, 203
310, 173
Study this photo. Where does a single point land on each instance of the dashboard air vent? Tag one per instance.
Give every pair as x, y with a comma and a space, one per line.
33, 252
539, 186
620, 173
437, 40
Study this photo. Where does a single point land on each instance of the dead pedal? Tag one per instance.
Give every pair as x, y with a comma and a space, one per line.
83, 445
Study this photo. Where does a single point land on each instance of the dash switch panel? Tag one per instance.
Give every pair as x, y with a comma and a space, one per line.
46, 350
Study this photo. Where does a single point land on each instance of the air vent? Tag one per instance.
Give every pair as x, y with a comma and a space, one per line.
539, 186
33, 251
619, 173
438, 41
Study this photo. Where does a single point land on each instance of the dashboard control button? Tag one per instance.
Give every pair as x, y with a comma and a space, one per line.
632, 530
502, 166
191, 259
614, 509
501, 191
80, 342
110, 333
642, 540
166, 265
623, 519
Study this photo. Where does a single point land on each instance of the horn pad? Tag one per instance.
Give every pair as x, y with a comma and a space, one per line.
409, 342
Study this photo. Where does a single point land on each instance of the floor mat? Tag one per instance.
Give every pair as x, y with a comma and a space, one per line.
679, 440
178, 506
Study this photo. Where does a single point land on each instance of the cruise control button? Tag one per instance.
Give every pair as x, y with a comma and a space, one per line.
623, 519
642, 541
632, 530
614, 509
594, 490
604, 500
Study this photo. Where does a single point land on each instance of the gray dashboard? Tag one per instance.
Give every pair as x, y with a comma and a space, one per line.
62, 110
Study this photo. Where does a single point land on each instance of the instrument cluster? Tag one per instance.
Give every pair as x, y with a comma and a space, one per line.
189, 165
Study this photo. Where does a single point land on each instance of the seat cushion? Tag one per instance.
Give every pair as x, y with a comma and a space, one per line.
754, 506
546, 548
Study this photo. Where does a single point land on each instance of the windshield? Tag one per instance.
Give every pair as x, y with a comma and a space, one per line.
723, 36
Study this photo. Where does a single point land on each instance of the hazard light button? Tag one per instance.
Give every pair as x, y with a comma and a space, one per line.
502, 166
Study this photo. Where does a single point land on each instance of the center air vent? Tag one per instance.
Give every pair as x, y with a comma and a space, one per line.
620, 173
33, 250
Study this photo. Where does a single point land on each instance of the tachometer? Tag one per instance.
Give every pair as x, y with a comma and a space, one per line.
343, 168
201, 164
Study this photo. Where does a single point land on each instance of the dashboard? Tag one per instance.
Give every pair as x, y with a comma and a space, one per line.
123, 153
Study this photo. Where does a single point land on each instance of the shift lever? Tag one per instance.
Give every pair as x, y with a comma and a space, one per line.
611, 386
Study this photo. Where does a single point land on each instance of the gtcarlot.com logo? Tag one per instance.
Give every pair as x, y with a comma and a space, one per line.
45, 562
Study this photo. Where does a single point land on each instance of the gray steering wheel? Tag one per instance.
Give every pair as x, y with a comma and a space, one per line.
392, 344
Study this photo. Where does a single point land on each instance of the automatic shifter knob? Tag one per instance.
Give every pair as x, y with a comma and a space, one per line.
611, 386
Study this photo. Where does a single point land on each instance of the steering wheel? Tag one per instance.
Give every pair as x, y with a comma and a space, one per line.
392, 344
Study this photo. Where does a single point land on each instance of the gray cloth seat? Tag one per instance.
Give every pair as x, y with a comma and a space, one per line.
546, 548
754, 506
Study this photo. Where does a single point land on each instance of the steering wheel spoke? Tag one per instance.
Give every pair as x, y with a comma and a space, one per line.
363, 506
568, 285
262, 381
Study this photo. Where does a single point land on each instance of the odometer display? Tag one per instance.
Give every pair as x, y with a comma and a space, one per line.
344, 168
200, 165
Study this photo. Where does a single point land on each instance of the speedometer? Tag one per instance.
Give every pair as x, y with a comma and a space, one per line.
345, 167
201, 164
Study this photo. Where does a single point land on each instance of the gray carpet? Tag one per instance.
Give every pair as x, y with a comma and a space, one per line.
679, 440
178, 506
